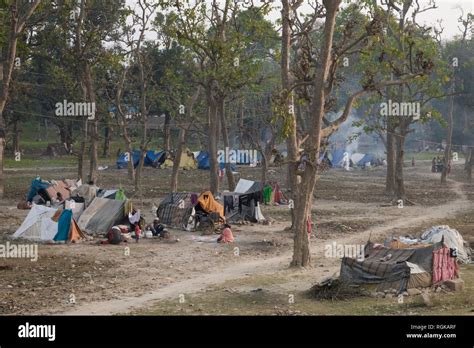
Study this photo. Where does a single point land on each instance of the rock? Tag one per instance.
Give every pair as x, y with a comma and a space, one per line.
438, 289
455, 284
388, 296
413, 292
380, 294
427, 300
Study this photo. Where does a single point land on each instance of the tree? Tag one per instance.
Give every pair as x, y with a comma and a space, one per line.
19, 16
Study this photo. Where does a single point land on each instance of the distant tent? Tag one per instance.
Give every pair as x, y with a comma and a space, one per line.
338, 157
187, 162
368, 159
152, 159
47, 224
101, 215
356, 157
203, 162
176, 209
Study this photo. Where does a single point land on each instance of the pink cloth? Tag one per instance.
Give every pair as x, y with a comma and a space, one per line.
444, 266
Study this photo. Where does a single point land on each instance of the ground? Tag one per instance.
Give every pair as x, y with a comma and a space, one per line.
196, 276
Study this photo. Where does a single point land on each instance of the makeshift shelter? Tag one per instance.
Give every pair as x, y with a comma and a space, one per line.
451, 237
101, 215
152, 159
49, 189
401, 269
117, 194
76, 207
176, 209
186, 162
244, 202
203, 162
272, 194
48, 224
337, 159
356, 157
208, 204
367, 160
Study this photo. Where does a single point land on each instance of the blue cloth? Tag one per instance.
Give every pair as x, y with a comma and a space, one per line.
64, 226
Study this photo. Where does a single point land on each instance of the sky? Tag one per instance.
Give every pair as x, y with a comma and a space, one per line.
447, 11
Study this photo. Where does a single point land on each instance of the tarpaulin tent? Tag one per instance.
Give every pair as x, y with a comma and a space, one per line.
356, 157
338, 157
187, 162
176, 209
400, 269
244, 202
101, 215
48, 224
368, 159
124, 157
152, 159
203, 162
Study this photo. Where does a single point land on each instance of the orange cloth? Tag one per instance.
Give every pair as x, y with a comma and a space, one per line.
226, 237
209, 204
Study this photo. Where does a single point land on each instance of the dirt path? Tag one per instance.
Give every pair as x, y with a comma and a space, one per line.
409, 216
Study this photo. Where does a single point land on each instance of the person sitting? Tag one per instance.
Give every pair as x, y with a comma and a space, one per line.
226, 236
114, 236
156, 228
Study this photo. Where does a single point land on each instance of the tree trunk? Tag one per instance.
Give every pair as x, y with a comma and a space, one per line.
400, 193
213, 126
449, 138
167, 133
106, 152
179, 152
469, 163
225, 137
304, 192
130, 166
93, 160
390, 177
16, 136
82, 152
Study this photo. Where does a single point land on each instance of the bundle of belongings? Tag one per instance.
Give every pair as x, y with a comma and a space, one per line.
244, 203
46, 224
51, 193
452, 238
186, 210
386, 268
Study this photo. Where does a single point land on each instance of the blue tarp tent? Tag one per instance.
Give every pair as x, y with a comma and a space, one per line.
368, 158
337, 157
203, 162
152, 159
122, 161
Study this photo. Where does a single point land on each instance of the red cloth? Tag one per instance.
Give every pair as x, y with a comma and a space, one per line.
309, 224
444, 266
